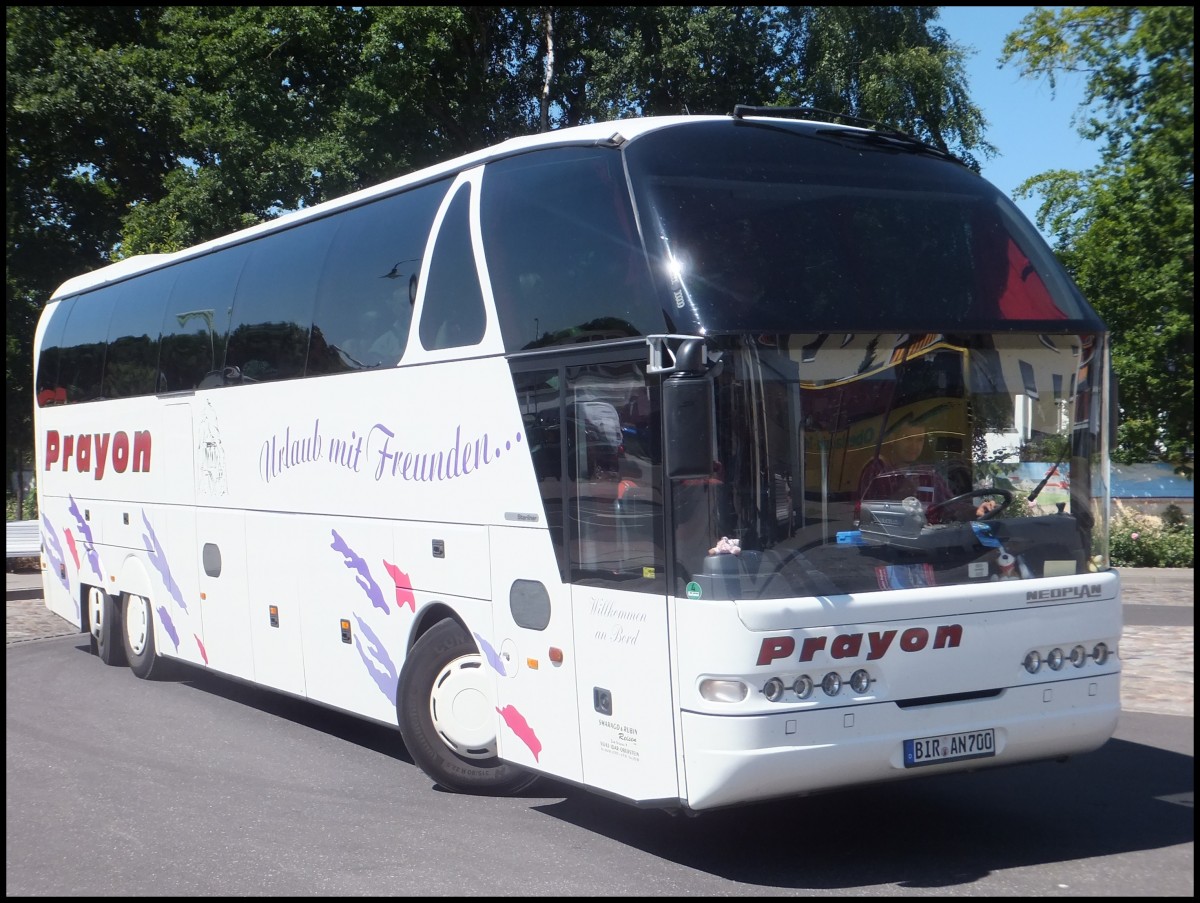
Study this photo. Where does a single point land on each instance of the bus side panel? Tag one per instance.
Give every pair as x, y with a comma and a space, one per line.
535, 696
354, 632
375, 576
273, 583
164, 567
63, 560
221, 547
626, 722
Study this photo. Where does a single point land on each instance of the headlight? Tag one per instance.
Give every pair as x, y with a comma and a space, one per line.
773, 689
860, 681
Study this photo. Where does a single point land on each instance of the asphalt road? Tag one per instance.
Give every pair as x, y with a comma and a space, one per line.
202, 786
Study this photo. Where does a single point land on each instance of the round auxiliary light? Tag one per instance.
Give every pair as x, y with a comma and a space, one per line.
773, 689
1078, 656
1033, 662
803, 686
831, 683
860, 680
1055, 659
1100, 654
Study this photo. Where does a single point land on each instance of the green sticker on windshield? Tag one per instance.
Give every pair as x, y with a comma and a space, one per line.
693, 590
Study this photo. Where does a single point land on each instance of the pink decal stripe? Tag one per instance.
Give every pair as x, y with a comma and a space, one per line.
404, 593
519, 726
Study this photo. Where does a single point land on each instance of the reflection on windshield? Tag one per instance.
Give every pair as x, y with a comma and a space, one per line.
857, 462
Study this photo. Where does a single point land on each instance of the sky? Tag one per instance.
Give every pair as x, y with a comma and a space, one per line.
1030, 129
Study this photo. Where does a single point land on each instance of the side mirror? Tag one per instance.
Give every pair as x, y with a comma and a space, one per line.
689, 416
689, 427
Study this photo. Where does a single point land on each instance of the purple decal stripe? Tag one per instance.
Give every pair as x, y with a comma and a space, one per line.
355, 562
55, 553
168, 626
490, 654
85, 530
159, 559
376, 660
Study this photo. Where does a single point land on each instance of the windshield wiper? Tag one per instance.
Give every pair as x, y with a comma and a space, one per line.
880, 134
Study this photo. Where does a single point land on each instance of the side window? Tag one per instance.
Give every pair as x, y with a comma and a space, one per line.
81, 362
196, 322
273, 306
539, 393
563, 252
453, 314
131, 365
366, 293
592, 434
49, 389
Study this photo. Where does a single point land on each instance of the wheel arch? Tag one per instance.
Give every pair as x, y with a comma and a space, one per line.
429, 616
133, 578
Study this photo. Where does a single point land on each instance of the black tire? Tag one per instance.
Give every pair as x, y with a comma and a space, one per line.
137, 634
104, 624
458, 756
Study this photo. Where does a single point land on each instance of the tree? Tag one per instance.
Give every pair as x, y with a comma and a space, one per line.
149, 129
892, 64
88, 136
1125, 229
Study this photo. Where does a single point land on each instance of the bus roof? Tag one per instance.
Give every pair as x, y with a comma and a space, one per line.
615, 132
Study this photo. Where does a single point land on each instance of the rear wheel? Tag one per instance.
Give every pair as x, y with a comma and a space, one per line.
104, 624
138, 634
446, 708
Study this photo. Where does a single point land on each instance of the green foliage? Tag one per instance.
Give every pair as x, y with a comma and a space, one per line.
1125, 229
1138, 541
1173, 517
136, 130
28, 509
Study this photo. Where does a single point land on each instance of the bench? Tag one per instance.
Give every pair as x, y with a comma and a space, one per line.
24, 539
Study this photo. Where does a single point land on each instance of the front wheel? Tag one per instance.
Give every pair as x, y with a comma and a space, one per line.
446, 708
138, 619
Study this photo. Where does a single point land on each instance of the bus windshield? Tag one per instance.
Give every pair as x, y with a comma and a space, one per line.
853, 462
761, 227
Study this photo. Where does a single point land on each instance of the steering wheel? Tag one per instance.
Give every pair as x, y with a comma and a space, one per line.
936, 512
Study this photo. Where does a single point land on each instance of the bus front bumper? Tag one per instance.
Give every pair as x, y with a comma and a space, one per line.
738, 759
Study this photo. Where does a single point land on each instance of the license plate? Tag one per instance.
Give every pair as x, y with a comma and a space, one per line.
949, 748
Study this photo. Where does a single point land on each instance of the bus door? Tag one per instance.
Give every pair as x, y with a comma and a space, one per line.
593, 428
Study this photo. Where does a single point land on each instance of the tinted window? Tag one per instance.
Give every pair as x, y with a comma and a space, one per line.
592, 432
49, 389
81, 364
453, 314
273, 307
790, 227
563, 252
364, 300
196, 322
131, 366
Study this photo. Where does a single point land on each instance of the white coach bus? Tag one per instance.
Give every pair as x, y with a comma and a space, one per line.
538, 455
